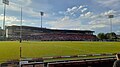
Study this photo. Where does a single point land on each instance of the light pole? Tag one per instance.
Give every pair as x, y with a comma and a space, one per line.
6, 2
20, 37
21, 26
110, 17
41, 13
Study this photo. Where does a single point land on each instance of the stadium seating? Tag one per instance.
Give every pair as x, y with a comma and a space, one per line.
86, 63
33, 65
98, 62
60, 37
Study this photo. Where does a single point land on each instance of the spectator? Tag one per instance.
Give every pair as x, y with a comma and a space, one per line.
117, 62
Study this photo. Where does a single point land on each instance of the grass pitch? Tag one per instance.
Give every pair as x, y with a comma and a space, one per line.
32, 49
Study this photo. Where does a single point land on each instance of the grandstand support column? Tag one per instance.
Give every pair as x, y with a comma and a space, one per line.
6, 2
41, 13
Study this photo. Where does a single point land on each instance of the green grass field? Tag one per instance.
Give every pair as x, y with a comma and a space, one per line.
32, 49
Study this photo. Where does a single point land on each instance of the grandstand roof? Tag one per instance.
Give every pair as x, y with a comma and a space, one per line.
52, 30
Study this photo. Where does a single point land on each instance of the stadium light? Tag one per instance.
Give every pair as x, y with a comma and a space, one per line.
110, 17
5, 2
41, 13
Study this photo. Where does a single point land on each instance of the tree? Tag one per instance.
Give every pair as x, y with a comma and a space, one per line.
111, 35
107, 36
101, 36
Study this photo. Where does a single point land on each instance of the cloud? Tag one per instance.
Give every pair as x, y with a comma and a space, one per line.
84, 9
64, 23
93, 21
110, 12
71, 9
87, 20
22, 2
88, 14
74, 10
97, 26
26, 2
80, 7
118, 32
28, 12
10, 20
109, 3
102, 20
15, 8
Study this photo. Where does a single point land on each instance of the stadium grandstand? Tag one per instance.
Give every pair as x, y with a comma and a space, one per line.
44, 34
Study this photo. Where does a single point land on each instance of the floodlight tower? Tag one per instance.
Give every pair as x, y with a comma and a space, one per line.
41, 13
5, 2
110, 17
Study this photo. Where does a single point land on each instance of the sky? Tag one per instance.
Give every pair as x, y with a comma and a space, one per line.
64, 14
